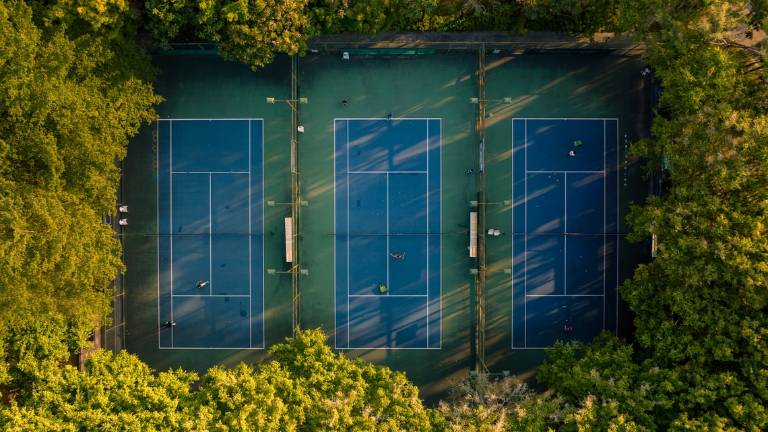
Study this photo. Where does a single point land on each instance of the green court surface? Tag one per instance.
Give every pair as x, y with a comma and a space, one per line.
389, 162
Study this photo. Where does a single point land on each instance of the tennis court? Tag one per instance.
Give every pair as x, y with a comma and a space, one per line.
350, 203
210, 215
387, 233
565, 191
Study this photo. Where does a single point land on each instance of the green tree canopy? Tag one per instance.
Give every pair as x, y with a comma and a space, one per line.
306, 387
249, 31
68, 104
700, 306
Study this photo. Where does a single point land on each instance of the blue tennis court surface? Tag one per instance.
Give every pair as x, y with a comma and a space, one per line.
565, 188
387, 233
210, 233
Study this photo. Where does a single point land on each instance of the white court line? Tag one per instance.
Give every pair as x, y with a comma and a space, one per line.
386, 206
346, 151
564, 295
157, 211
209, 348
388, 295
210, 233
525, 241
170, 168
208, 119
512, 249
565, 231
427, 231
565, 118
210, 172
563, 171
389, 172
440, 228
211, 295
250, 236
388, 348
618, 224
531, 348
605, 210
335, 256
263, 241
384, 118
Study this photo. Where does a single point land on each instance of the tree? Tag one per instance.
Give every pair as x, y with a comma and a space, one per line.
700, 306
483, 404
114, 393
67, 109
309, 387
249, 31
306, 387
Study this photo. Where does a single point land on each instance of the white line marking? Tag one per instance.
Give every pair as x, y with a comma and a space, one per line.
531, 348
440, 227
564, 118
211, 295
210, 232
427, 231
525, 241
210, 172
388, 172
208, 119
562, 171
384, 118
170, 236
263, 240
618, 223
386, 206
564, 295
335, 256
157, 210
389, 295
209, 348
346, 150
388, 348
565, 235
250, 236
605, 205
512, 249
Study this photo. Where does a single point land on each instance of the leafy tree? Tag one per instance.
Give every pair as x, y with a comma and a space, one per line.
33, 351
480, 403
309, 387
56, 257
306, 387
700, 306
67, 109
112, 19
249, 31
114, 393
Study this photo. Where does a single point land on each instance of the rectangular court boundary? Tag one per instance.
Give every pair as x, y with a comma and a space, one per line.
440, 238
250, 235
604, 172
